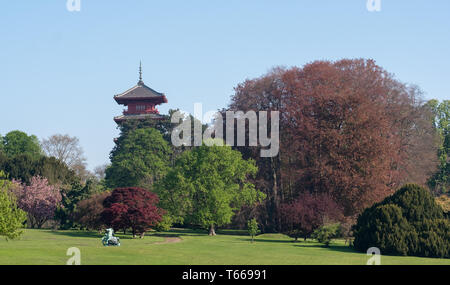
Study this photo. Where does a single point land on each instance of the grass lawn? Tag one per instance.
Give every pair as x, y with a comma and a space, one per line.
195, 247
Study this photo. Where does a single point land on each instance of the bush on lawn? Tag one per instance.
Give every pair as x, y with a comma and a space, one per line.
406, 223
326, 233
165, 224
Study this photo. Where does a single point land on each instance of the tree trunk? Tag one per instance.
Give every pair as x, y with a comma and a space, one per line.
212, 232
276, 198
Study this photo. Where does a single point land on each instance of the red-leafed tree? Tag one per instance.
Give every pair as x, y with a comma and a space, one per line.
307, 213
346, 123
132, 208
347, 128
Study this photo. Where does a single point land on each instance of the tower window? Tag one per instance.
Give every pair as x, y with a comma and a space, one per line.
140, 107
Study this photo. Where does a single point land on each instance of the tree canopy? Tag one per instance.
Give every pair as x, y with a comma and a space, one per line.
17, 142
207, 185
131, 207
440, 181
140, 157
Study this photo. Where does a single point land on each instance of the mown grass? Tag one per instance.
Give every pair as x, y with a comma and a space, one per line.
195, 247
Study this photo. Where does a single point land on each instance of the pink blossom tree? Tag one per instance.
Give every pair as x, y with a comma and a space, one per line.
39, 200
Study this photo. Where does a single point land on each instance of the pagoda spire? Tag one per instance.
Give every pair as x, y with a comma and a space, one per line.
140, 82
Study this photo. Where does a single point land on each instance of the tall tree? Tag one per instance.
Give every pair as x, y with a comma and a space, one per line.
141, 157
17, 142
65, 148
23, 167
265, 94
1, 144
440, 181
68, 150
207, 185
347, 128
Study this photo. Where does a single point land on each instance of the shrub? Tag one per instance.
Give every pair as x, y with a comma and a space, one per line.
165, 224
11, 217
326, 233
307, 213
88, 212
406, 223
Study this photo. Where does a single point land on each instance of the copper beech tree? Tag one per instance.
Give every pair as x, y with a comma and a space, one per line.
347, 128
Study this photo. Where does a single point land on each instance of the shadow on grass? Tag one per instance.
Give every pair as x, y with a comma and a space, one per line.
121, 235
256, 240
333, 247
88, 234
232, 232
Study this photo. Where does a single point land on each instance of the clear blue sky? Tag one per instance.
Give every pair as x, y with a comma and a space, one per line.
59, 70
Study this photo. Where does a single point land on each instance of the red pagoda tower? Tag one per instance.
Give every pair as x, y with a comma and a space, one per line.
141, 101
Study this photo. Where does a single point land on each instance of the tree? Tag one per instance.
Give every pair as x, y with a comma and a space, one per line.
23, 167
65, 148
1, 144
132, 207
17, 142
88, 212
407, 223
307, 213
207, 185
100, 171
141, 158
265, 94
347, 128
252, 227
71, 195
39, 200
440, 180
11, 217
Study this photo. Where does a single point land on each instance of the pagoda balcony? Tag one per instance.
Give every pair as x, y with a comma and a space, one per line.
154, 111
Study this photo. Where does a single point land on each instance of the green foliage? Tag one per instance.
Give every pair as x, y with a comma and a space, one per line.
207, 185
406, 223
140, 158
252, 227
1, 145
71, 196
444, 202
165, 224
440, 181
11, 217
24, 166
326, 233
17, 142
416, 203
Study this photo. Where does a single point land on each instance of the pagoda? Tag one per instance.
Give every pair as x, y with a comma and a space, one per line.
141, 102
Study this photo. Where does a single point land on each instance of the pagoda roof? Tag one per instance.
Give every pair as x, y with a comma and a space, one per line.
140, 92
